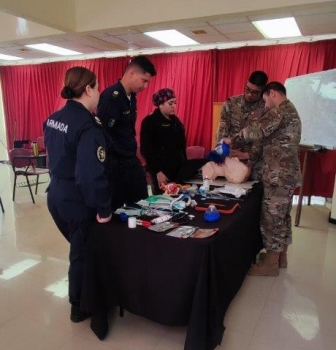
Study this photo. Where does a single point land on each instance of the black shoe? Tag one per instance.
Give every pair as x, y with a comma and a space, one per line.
99, 324
77, 315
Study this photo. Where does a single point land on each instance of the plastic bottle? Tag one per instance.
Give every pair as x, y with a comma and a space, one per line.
34, 146
206, 184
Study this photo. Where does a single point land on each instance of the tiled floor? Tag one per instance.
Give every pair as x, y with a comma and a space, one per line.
294, 311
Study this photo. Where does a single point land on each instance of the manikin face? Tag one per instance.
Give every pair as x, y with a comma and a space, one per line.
252, 93
168, 108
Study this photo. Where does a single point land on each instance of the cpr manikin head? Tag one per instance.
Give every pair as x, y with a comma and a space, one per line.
232, 169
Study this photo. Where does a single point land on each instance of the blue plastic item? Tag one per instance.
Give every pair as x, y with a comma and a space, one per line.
123, 217
221, 151
211, 214
225, 149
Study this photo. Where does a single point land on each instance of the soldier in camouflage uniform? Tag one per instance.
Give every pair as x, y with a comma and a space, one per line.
280, 130
242, 110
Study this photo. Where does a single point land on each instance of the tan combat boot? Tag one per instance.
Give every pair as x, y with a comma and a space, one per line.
283, 257
283, 263
267, 267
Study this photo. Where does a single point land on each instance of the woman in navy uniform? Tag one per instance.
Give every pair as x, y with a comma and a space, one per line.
163, 140
79, 190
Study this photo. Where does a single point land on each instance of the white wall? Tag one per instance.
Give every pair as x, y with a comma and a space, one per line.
58, 14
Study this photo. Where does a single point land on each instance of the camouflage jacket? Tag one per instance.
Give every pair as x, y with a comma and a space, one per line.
235, 115
280, 132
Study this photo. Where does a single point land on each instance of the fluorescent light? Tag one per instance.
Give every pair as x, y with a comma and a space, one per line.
54, 49
171, 37
9, 58
278, 28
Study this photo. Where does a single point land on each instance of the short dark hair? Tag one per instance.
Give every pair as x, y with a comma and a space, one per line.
76, 80
144, 64
258, 78
274, 85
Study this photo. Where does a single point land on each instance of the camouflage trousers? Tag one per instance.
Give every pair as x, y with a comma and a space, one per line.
275, 221
257, 170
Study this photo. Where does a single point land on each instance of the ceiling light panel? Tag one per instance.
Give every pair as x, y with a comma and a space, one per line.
9, 57
54, 49
278, 28
172, 37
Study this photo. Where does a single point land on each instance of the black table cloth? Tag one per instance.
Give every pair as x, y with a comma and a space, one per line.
170, 280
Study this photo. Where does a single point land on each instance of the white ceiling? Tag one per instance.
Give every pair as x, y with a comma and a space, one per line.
316, 20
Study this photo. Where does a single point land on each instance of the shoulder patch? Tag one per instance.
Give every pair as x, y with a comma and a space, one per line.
115, 94
101, 154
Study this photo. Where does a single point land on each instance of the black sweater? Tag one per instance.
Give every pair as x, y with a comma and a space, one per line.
163, 143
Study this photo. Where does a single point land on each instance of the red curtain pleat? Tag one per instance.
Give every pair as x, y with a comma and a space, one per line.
32, 92
279, 62
190, 75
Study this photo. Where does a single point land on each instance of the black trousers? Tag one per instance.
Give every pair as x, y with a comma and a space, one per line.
73, 218
127, 180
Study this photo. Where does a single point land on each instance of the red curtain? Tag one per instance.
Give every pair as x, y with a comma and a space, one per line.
190, 75
329, 55
31, 93
279, 62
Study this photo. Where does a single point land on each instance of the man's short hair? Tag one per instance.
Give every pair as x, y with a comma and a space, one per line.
258, 78
276, 86
143, 63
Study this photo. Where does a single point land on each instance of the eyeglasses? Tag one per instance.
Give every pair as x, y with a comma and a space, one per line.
252, 92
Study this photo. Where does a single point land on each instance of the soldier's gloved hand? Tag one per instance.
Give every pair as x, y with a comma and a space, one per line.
103, 220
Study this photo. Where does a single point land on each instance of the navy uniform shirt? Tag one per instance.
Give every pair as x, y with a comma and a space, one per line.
77, 145
118, 115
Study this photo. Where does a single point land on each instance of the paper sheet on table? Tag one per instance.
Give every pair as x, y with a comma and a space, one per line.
220, 181
236, 190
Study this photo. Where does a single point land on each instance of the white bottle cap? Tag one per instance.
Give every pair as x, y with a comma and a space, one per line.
132, 222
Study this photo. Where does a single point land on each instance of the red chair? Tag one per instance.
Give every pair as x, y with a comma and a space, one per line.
40, 143
24, 164
195, 152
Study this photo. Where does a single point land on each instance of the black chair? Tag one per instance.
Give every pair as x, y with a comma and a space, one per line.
21, 143
24, 164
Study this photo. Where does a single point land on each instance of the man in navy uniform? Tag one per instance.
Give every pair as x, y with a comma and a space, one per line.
117, 111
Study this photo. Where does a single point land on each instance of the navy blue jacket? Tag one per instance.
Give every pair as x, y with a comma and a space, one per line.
77, 146
118, 115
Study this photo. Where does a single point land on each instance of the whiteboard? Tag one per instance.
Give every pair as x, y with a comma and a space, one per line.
314, 96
